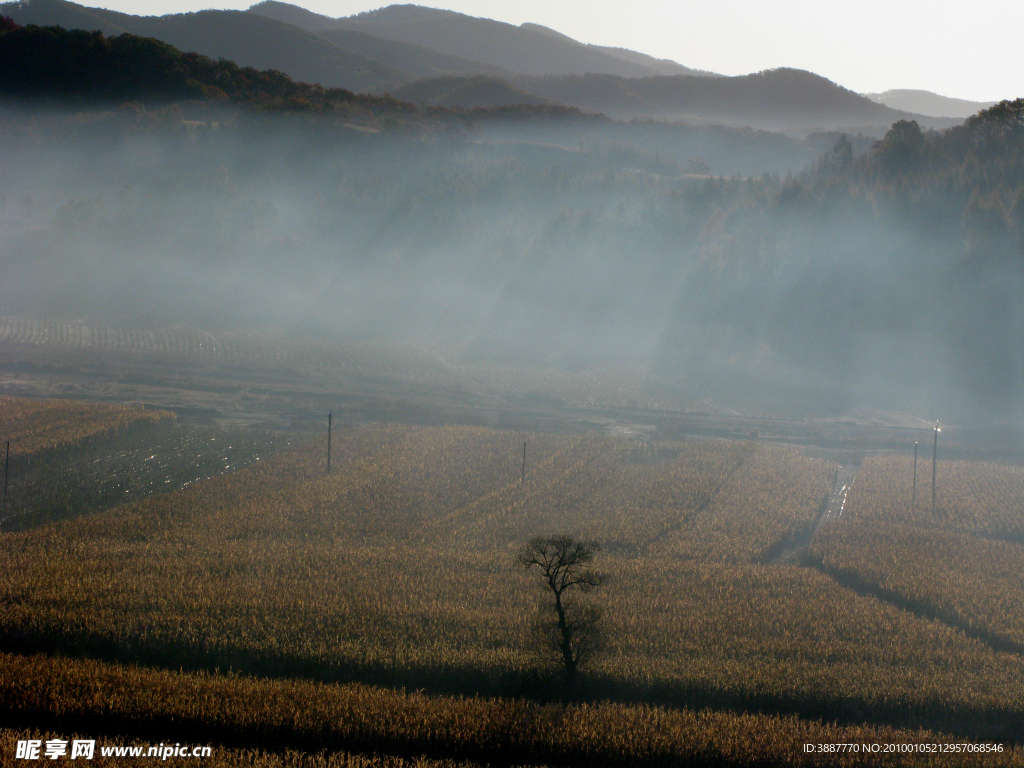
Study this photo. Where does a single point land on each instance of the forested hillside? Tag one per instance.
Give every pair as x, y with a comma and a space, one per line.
248, 39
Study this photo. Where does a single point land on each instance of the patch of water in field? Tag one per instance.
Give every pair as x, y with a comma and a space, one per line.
110, 471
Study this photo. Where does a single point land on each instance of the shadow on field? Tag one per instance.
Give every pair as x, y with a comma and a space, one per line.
539, 685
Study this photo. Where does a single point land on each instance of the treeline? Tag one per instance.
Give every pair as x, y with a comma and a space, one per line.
966, 180
945, 179
904, 263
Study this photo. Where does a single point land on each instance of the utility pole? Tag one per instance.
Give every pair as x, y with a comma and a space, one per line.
330, 418
7, 471
522, 478
935, 453
913, 494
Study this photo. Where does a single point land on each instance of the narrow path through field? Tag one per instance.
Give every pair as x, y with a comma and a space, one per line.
845, 475
831, 510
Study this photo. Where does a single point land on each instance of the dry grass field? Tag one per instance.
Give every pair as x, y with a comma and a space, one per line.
298, 718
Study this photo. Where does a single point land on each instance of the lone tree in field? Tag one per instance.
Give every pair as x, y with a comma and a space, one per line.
564, 564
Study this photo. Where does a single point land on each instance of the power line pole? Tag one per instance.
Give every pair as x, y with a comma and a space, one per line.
935, 453
330, 418
7, 471
522, 478
913, 494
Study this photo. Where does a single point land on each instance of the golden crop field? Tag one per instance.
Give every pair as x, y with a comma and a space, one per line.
773, 497
397, 570
37, 425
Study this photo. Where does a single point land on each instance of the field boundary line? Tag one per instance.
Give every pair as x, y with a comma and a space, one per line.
700, 510
786, 551
510, 486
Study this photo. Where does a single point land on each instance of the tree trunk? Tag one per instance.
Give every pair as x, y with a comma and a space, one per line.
568, 659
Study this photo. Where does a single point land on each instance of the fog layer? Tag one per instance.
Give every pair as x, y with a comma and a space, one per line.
538, 243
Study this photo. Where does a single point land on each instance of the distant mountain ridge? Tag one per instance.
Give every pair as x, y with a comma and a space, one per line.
55, 67
928, 103
528, 49
781, 99
774, 99
370, 52
419, 61
660, 66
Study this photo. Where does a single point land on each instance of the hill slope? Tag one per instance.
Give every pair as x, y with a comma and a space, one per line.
523, 49
54, 66
394, 47
294, 15
494, 45
776, 99
422, 62
478, 91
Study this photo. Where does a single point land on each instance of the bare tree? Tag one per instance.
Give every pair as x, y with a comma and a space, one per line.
564, 563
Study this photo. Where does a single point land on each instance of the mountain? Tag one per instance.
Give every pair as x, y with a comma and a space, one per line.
494, 45
928, 103
57, 13
294, 15
525, 50
416, 59
469, 62
659, 66
424, 62
248, 39
374, 52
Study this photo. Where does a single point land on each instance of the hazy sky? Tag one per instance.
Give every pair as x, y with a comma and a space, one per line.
951, 47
